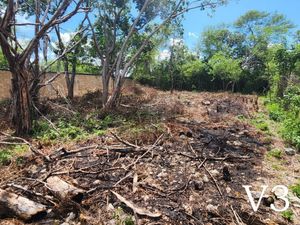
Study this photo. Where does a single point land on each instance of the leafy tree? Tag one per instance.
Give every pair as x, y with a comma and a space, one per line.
226, 68
215, 40
20, 60
117, 22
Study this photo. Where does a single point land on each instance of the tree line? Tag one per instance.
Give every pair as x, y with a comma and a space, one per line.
258, 53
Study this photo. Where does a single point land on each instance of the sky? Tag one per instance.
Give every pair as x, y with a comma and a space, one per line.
197, 21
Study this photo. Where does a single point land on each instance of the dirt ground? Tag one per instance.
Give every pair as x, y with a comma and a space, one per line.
190, 172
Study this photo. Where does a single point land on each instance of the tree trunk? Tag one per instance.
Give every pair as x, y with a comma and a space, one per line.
72, 80
21, 111
105, 84
111, 102
282, 85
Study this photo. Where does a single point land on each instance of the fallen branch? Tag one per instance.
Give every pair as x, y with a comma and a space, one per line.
124, 142
64, 190
15, 205
136, 209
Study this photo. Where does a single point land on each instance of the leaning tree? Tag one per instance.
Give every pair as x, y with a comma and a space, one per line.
21, 61
118, 26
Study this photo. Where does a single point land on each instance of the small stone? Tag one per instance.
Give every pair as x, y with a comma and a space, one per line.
228, 190
290, 151
237, 143
206, 102
215, 172
205, 179
211, 208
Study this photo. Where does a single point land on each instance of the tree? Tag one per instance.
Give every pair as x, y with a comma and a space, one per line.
228, 69
260, 30
19, 59
72, 57
221, 39
150, 17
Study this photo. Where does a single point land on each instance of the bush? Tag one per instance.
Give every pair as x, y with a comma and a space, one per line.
296, 189
7, 153
275, 112
276, 153
75, 128
291, 131
288, 215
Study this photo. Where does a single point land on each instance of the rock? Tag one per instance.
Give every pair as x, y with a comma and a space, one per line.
205, 179
268, 201
290, 151
206, 102
237, 143
211, 208
228, 190
215, 172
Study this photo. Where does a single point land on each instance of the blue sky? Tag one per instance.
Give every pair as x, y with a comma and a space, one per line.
196, 21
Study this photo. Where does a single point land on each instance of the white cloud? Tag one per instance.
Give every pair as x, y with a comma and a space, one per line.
66, 37
193, 35
176, 41
164, 54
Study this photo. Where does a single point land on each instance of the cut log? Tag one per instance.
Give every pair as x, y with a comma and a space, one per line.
63, 190
13, 205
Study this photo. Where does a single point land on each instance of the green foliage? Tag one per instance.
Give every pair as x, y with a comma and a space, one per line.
3, 61
291, 131
288, 215
296, 189
276, 153
275, 111
224, 67
121, 218
73, 128
7, 153
260, 122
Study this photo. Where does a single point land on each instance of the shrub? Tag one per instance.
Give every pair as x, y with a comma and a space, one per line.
275, 112
276, 153
291, 131
296, 189
288, 215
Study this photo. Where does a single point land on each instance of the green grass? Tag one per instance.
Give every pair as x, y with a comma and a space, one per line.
260, 122
11, 151
288, 215
76, 128
296, 189
276, 153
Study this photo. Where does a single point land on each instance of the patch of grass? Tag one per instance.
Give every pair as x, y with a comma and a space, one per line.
141, 133
121, 218
288, 215
11, 151
276, 153
260, 122
277, 167
76, 128
296, 189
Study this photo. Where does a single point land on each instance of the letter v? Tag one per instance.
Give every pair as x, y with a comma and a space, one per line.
250, 197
